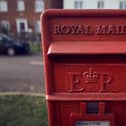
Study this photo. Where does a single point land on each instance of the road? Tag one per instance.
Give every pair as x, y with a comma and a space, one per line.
21, 74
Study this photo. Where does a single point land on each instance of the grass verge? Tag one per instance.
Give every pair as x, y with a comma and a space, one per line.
22, 110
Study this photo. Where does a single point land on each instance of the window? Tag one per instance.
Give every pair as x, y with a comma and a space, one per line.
37, 26
22, 25
78, 4
122, 5
100, 4
3, 6
5, 26
20, 5
39, 5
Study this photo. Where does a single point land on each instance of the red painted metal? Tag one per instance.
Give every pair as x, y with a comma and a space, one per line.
84, 55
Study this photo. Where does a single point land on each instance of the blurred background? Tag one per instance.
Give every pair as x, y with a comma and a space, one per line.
21, 61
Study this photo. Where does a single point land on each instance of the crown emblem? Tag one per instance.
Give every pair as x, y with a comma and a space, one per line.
91, 77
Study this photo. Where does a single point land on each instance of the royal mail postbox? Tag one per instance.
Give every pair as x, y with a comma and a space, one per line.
85, 67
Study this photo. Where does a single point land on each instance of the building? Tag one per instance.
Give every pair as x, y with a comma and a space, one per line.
94, 4
23, 16
19, 17
58, 4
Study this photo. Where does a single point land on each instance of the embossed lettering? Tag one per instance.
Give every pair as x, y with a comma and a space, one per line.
91, 78
110, 29
72, 29
122, 29
57, 29
75, 81
106, 78
80, 29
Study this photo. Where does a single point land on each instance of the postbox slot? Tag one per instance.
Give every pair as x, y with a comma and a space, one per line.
87, 47
92, 59
92, 107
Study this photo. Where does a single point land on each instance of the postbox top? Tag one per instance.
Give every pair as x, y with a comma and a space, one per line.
84, 31
82, 12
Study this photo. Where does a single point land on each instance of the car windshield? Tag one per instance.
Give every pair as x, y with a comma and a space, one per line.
8, 38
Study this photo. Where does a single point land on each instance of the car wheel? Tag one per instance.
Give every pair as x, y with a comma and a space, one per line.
11, 52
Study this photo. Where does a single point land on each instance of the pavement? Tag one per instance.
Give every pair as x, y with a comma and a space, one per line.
22, 74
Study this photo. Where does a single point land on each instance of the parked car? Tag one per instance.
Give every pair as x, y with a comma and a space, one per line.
12, 47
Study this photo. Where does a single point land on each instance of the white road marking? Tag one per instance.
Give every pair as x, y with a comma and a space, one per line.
36, 63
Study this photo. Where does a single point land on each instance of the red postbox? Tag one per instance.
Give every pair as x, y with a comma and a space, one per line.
85, 67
